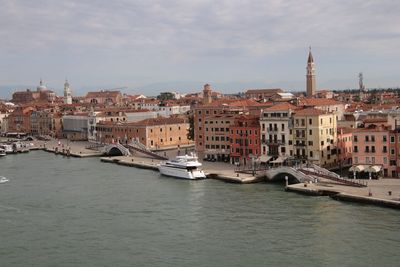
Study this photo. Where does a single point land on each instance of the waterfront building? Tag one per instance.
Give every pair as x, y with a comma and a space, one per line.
46, 122
394, 153
3, 121
155, 133
204, 114
75, 126
314, 136
18, 121
371, 147
244, 140
310, 84
344, 146
276, 136
216, 136
67, 93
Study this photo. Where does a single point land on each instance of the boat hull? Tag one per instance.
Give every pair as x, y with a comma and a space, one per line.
194, 174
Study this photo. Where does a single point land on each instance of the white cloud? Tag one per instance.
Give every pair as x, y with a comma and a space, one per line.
155, 32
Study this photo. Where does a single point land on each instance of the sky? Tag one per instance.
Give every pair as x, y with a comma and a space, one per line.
159, 45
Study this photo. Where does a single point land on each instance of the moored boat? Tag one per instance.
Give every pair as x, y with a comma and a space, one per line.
3, 179
185, 167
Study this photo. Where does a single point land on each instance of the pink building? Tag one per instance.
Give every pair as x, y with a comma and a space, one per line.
371, 150
345, 145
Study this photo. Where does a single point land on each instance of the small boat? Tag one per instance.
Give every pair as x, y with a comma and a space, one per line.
2, 152
3, 179
186, 167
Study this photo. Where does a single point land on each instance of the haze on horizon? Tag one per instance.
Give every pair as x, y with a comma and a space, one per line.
231, 44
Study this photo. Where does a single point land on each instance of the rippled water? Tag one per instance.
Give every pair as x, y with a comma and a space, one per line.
59, 211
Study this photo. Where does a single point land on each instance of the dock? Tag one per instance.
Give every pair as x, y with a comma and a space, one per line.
384, 192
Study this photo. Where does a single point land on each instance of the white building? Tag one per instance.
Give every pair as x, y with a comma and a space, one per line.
276, 133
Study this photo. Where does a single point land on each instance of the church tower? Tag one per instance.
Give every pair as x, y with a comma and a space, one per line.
311, 85
67, 93
207, 94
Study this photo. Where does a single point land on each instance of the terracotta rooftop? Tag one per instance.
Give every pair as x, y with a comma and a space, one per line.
318, 102
283, 106
310, 112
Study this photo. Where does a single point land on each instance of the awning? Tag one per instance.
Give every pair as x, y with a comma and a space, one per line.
357, 168
279, 160
264, 158
374, 168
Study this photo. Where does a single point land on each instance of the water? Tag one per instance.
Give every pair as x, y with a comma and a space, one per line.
59, 211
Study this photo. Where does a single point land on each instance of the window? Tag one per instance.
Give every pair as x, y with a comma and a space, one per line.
311, 154
310, 132
372, 138
391, 139
384, 149
384, 138
310, 143
355, 138
355, 149
310, 121
373, 149
392, 151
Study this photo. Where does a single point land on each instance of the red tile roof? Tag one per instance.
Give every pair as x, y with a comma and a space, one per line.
310, 112
282, 106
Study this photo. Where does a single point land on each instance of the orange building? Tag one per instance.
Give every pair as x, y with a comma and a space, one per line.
19, 120
154, 133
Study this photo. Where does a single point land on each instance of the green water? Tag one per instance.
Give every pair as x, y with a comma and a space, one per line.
59, 211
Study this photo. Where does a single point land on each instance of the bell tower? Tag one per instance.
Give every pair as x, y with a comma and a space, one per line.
311, 84
67, 93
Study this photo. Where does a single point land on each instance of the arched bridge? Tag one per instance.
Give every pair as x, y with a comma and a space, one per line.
278, 174
116, 150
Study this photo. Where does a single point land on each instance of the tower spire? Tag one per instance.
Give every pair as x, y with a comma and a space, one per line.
310, 84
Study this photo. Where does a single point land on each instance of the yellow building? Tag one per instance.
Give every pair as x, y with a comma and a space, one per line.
314, 136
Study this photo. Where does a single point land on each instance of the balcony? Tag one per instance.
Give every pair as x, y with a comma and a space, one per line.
273, 142
300, 144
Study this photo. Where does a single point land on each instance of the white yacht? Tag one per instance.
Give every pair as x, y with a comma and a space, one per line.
186, 167
7, 148
3, 179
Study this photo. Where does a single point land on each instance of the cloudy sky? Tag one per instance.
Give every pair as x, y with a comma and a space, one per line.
151, 44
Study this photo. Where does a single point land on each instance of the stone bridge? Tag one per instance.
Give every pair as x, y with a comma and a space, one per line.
278, 174
116, 150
